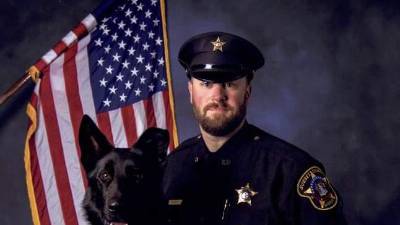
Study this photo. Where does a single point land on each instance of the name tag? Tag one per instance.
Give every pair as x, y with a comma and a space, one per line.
175, 202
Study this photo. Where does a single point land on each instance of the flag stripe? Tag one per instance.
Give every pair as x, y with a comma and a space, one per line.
117, 128
159, 110
140, 115
103, 120
73, 95
48, 171
52, 126
85, 87
150, 117
66, 132
35, 183
129, 121
170, 123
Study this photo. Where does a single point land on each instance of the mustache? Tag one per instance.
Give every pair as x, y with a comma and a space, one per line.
215, 105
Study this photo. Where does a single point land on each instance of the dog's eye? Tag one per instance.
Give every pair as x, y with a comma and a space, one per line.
105, 176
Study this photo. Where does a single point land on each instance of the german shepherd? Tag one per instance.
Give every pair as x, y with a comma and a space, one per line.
124, 184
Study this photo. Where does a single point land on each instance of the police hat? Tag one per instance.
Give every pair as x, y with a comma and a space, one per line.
219, 57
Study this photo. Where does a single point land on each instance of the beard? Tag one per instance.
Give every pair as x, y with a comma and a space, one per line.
223, 123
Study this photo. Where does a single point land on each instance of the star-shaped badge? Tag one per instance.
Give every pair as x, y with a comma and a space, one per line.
217, 44
245, 194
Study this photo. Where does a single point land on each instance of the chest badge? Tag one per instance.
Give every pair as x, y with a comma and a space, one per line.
245, 194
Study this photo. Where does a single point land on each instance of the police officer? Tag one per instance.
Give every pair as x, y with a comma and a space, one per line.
233, 172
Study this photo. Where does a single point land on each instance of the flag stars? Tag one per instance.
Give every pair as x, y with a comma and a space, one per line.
105, 19
100, 61
161, 61
163, 82
134, 20
128, 12
148, 14
139, 7
142, 80
143, 26
148, 67
120, 77
125, 64
145, 46
113, 90
131, 51
121, 44
137, 92
136, 38
122, 97
121, 25
103, 82
128, 85
153, 2
151, 87
156, 22
116, 57
155, 74
107, 49
98, 42
114, 37
107, 102
106, 31
128, 32
103, 26
140, 59
134, 2
153, 55
134, 72
151, 35
109, 70
158, 41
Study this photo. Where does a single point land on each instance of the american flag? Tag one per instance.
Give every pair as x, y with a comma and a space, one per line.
113, 67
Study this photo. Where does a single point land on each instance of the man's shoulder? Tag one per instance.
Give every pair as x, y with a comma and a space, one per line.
186, 145
279, 148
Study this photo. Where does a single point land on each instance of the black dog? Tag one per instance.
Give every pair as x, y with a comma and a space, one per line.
123, 183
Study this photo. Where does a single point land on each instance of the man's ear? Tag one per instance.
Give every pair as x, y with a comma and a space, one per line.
93, 144
190, 89
248, 93
153, 143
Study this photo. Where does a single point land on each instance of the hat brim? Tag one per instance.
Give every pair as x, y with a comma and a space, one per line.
221, 68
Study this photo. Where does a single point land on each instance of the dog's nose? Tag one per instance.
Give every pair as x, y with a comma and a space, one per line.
114, 205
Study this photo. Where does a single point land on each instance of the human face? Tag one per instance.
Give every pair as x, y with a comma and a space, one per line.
219, 107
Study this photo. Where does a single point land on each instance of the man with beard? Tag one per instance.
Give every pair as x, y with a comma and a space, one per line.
235, 173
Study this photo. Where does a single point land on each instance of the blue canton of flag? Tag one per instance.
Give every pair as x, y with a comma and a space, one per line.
126, 55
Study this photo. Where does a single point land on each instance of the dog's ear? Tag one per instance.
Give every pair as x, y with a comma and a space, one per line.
153, 141
93, 144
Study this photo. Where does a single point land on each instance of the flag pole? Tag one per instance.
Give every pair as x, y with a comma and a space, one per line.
32, 73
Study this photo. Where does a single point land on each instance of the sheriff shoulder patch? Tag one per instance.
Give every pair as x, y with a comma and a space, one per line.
315, 186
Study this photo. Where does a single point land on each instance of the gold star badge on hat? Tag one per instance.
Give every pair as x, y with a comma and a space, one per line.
217, 44
245, 193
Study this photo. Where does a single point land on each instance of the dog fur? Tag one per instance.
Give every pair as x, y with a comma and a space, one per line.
124, 184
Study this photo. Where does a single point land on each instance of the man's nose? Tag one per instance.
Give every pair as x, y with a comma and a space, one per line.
219, 92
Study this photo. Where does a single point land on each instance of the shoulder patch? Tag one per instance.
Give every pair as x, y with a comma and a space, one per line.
314, 185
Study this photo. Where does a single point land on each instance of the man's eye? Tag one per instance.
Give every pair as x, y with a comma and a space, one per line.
205, 83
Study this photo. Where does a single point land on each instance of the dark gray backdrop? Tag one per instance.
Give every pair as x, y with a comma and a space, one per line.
330, 86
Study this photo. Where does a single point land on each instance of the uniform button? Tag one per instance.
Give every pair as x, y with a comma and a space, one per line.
196, 159
256, 138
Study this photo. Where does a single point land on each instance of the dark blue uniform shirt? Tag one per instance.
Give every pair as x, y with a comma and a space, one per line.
253, 179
